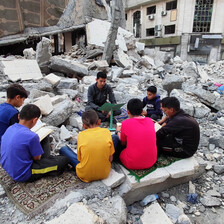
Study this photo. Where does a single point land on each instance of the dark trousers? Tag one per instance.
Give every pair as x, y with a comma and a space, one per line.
170, 147
118, 148
48, 165
155, 117
103, 116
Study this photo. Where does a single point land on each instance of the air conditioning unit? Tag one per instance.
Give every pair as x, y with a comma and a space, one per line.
158, 33
151, 17
164, 13
158, 27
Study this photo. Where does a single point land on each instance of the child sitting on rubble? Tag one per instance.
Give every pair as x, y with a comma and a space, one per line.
16, 95
152, 103
95, 150
135, 142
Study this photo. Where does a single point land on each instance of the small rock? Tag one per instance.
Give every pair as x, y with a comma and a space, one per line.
209, 201
173, 199
165, 195
219, 169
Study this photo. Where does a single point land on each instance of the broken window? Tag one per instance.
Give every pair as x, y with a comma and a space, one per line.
150, 32
202, 15
170, 29
137, 24
171, 5
151, 10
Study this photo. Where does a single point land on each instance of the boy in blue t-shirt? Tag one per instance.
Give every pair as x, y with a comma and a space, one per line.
152, 103
22, 156
16, 95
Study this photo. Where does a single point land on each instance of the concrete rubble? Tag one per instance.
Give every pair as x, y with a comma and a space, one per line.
61, 91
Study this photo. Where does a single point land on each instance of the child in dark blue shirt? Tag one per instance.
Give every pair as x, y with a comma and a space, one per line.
16, 95
152, 103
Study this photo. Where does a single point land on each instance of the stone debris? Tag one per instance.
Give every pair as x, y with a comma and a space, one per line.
61, 90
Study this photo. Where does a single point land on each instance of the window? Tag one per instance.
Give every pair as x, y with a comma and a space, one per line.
171, 5
150, 32
136, 24
170, 29
151, 10
202, 15
126, 16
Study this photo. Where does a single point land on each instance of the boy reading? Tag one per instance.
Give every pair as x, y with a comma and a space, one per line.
22, 156
152, 103
138, 137
95, 150
16, 95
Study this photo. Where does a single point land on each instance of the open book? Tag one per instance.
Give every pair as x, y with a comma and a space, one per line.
41, 130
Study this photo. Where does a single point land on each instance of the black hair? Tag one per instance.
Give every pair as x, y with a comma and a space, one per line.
135, 106
152, 89
102, 75
16, 89
171, 102
29, 112
90, 118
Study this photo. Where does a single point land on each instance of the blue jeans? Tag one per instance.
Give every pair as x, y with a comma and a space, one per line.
66, 151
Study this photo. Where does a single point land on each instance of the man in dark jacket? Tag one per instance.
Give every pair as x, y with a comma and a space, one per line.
98, 94
180, 136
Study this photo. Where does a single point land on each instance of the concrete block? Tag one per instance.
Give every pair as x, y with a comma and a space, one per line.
69, 83
89, 80
122, 59
58, 99
140, 46
53, 79
76, 121
77, 213
21, 69
45, 105
183, 167
149, 60
155, 214
64, 133
158, 176
99, 64
114, 179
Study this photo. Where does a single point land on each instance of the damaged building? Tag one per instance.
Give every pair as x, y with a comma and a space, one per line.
24, 22
192, 29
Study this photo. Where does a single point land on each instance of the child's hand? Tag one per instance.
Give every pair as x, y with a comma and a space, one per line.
144, 113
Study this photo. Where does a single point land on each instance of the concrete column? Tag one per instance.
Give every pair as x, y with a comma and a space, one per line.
184, 46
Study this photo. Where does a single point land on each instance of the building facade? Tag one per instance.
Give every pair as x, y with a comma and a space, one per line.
192, 29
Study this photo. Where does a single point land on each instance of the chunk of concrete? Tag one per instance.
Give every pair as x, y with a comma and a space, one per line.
114, 179
89, 80
155, 214
64, 133
99, 64
58, 99
21, 69
53, 79
76, 121
35, 93
200, 110
45, 105
140, 46
61, 112
172, 82
29, 53
122, 59
43, 52
77, 213
183, 167
149, 60
67, 66
68, 83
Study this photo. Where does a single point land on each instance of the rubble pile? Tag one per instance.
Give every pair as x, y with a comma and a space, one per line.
62, 94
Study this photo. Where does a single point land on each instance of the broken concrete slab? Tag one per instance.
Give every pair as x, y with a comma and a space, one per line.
162, 178
21, 69
68, 83
29, 53
149, 60
76, 121
53, 79
43, 53
155, 214
140, 46
93, 53
64, 133
45, 105
114, 179
71, 93
101, 65
61, 112
122, 59
77, 213
172, 82
68, 66
35, 93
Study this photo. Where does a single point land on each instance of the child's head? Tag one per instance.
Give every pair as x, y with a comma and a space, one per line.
135, 107
29, 115
90, 119
101, 79
17, 94
151, 92
170, 106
